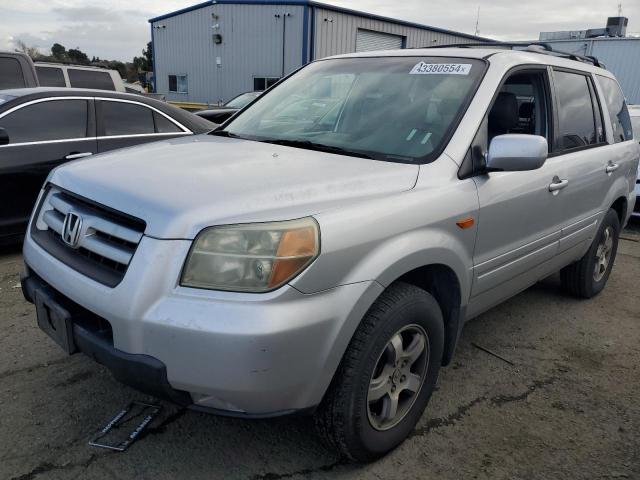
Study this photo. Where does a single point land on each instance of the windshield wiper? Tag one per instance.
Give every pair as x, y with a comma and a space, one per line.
320, 147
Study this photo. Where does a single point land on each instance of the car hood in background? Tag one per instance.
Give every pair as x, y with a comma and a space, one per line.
183, 185
217, 110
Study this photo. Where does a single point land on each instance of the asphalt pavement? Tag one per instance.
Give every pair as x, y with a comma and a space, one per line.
564, 405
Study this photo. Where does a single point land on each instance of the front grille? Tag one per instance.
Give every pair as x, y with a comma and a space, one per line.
106, 242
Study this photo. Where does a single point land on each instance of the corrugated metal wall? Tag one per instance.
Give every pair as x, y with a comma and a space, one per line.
368, 41
251, 47
621, 56
336, 33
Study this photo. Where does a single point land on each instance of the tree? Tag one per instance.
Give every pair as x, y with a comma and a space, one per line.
75, 55
58, 51
31, 51
145, 62
148, 55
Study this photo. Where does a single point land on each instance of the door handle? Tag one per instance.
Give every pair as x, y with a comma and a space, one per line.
73, 156
557, 184
612, 167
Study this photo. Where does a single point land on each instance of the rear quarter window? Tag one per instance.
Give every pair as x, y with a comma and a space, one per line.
122, 118
164, 125
50, 77
11, 73
90, 79
617, 106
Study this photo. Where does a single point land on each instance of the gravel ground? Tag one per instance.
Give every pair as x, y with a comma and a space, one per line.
567, 408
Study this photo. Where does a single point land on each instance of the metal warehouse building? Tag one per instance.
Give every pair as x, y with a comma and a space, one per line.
619, 53
215, 50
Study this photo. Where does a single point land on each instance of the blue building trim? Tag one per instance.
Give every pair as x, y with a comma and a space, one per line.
153, 58
228, 2
305, 35
312, 45
311, 3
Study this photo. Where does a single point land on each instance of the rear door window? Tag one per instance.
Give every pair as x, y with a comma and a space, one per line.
50, 77
576, 115
617, 106
11, 73
121, 118
90, 79
34, 123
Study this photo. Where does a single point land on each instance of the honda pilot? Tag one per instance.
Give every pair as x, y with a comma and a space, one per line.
321, 251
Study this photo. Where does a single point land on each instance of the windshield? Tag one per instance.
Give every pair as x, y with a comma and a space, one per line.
242, 100
387, 108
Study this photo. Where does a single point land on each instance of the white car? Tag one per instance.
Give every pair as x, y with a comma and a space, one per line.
634, 113
78, 76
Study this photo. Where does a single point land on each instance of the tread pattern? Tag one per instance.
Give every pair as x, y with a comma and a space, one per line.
577, 278
331, 417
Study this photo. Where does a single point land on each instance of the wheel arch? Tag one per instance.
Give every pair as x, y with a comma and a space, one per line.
620, 205
442, 283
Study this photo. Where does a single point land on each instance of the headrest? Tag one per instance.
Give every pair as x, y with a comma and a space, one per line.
504, 114
526, 109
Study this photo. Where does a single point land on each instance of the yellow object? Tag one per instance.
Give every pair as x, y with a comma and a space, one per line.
189, 105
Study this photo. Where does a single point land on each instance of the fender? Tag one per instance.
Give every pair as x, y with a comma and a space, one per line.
388, 262
627, 155
620, 189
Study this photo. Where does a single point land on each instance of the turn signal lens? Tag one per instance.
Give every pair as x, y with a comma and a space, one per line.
296, 248
252, 257
465, 223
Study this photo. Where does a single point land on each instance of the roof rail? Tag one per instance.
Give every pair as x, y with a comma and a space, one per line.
536, 47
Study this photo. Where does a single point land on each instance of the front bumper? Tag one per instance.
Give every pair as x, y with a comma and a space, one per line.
243, 354
142, 372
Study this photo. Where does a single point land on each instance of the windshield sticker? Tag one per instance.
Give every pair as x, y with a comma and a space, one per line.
441, 69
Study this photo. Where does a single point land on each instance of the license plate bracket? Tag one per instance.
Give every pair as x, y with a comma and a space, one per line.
55, 321
123, 429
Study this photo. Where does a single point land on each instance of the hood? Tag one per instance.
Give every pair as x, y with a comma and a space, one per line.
178, 187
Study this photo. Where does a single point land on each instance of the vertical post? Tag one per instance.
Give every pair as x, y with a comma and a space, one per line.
284, 33
312, 36
154, 83
305, 35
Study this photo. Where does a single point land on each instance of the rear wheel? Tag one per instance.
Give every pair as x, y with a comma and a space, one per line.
588, 276
387, 375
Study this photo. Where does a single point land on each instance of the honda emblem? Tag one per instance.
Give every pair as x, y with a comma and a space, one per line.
71, 229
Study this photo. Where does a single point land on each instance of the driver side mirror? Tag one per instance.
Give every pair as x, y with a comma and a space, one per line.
4, 137
516, 152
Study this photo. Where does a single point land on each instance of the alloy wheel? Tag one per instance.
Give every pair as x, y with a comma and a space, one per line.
603, 254
397, 377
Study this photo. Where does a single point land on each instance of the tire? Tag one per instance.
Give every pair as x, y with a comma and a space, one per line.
350, 418
581, 278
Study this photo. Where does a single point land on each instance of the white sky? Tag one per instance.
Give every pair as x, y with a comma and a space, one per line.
118, 29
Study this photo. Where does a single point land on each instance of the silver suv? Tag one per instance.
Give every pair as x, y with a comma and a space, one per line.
321, 251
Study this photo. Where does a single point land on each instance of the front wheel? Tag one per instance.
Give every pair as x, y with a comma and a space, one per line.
588, 276
387, 375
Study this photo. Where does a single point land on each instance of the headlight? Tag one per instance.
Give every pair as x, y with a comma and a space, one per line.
252, 257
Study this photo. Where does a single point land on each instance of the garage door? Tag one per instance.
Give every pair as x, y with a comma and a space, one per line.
368, 40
